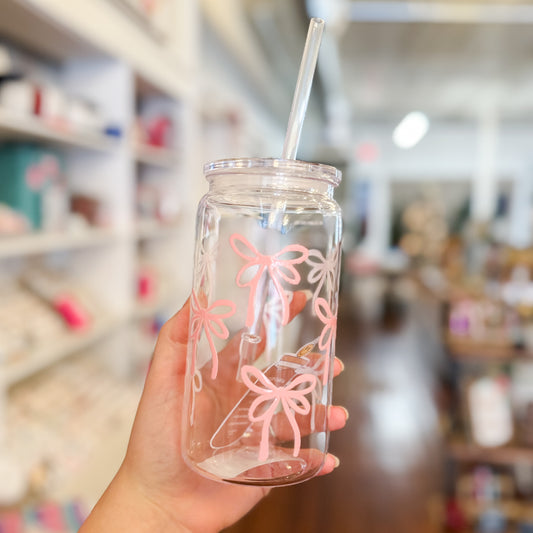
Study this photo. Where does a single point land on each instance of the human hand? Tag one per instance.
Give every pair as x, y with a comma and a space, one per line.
154, 490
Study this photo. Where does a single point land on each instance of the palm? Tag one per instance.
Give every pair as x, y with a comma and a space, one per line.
154, 460
154, 450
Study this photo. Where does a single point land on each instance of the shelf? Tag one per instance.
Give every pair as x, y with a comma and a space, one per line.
148, 229
81, 463
148, 310
39, 243
16, 126
90, 50
43, 358
77, 28
473, 350
154, 156
28, 27
503, 455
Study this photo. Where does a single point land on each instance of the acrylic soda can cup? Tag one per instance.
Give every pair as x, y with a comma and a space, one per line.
263, 322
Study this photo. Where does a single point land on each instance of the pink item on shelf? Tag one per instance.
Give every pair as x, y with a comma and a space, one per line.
38, 174
37, 102
459, 321
159, 132
278, 269
72, 312
50, 515
11, 522
147, 285
212, 324
291, 398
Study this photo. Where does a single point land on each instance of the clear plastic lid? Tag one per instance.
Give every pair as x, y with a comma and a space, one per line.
293, 167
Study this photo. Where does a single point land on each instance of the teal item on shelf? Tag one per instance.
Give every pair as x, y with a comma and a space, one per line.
25, 172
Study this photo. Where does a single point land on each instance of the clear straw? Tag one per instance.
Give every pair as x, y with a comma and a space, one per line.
303, 88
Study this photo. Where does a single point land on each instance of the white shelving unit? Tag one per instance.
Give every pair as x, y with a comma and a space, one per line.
158, 157
101, 55
19, 127
116, 70
149, 229
43, 242
148, 310
47, 356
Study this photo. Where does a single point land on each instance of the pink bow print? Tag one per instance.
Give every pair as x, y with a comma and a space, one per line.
323, 271
292, 399
278, 269
212, 323
329, 333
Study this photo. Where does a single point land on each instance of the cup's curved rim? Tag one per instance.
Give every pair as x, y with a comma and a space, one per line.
305, 169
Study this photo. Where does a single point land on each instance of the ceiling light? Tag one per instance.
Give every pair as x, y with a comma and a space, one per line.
410, 130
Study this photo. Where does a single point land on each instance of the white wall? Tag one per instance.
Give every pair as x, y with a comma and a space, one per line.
450, 151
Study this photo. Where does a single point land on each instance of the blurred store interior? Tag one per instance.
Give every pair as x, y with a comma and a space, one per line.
108, 110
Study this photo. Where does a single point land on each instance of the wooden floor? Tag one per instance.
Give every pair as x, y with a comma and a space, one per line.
389, 480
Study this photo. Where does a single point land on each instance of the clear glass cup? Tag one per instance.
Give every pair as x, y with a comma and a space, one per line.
263, 322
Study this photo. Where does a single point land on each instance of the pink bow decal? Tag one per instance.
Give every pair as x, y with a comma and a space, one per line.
323, 271
292, 399
278, 269
212, 323
329, 333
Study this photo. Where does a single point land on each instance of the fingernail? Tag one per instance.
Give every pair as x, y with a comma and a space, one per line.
341, 363
337, 461
346, 412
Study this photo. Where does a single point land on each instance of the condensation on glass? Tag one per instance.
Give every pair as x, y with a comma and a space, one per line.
263, 321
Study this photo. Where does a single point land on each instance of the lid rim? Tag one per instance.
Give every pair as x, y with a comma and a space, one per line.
316, 171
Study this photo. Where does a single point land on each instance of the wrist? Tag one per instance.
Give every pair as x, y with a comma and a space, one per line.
125, 507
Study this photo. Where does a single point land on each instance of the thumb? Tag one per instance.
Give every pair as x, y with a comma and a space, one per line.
170, 351
159, 411
163, 387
